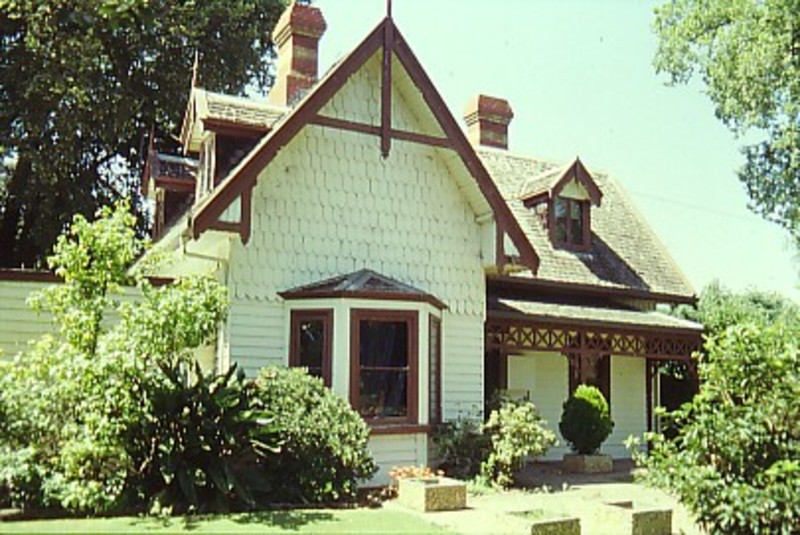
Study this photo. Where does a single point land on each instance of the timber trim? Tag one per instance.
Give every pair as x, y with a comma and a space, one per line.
533, 333
35, 275
233, 129
520, 286
245, 175
324, 315
465, 150
368, 129
411, 319
364, 294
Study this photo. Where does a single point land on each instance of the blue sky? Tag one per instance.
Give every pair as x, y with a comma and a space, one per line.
579, 77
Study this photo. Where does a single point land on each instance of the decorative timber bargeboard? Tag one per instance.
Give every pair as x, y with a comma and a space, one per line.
511, 335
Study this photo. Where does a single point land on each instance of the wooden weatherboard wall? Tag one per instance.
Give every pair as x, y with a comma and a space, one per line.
329, 204
19, 323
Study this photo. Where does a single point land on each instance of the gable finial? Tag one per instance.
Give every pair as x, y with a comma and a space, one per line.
388, 9
195, 68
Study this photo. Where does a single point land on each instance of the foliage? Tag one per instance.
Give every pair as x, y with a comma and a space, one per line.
323, 440
747, 53
734, 463
412, 472
72, 403
82, 83
585, 420
516, 431
719, 308
201, 446
461, 447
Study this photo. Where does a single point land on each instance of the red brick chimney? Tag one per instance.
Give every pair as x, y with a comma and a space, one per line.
297, 36
487, 121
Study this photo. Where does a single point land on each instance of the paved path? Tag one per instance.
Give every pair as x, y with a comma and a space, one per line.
567, 495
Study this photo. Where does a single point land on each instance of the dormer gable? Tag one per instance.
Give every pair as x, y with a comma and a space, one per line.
563, 198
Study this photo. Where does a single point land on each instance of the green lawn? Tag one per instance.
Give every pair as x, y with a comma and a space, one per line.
301, 521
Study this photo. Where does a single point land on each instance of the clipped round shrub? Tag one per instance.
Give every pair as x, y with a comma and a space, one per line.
585, 422
323, 441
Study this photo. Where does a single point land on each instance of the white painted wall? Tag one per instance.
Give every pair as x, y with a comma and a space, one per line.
628, 403
544, 377
328, 205
18, 322
396, 450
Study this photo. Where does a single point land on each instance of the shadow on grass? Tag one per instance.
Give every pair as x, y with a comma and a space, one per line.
288, 520
284, 520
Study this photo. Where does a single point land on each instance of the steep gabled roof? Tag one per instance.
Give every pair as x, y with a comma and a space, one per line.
243, 178
207, 109
624, 252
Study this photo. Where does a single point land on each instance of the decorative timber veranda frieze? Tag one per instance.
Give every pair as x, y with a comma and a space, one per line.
511, 336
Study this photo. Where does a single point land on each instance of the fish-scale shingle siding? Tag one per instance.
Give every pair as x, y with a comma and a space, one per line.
329, 204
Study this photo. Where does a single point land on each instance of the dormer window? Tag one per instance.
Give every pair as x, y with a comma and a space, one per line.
570, 224
563, 198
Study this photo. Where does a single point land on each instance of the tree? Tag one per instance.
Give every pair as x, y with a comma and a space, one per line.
719, 308
81, 83
104, 417
734, 459
747, 53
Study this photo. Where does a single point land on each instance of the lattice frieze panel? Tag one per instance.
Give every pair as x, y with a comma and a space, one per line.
515, 336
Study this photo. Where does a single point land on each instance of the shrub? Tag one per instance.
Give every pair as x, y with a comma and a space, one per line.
585, 421
734, 462
201, 447
516, 431
323, 440
71, 403
461, 447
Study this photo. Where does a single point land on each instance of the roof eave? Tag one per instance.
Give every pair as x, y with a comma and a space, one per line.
588, 290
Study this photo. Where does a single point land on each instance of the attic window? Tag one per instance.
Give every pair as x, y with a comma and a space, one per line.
570, 223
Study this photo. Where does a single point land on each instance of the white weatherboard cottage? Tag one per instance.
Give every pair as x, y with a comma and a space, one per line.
414, 267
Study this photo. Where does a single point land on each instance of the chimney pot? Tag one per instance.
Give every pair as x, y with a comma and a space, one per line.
487, 121
297, 36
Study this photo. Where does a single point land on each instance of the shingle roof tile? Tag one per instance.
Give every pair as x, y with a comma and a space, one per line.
624, 250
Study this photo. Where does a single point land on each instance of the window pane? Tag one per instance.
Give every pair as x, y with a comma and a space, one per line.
383, 393
560, 207
574, 209
561, 220
383, 343
312, 343
577, 227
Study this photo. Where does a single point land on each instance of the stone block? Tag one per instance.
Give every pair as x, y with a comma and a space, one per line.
587, 464
556, 526
637, 519
432, 494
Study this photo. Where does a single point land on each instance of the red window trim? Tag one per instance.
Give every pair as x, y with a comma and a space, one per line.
435, 411
586, 220
326, 316
411, 317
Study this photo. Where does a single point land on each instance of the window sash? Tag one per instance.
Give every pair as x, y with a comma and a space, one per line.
570, 223
300, 317
373, 406
434, 370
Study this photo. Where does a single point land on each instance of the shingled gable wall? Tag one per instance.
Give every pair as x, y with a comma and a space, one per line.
329, 204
